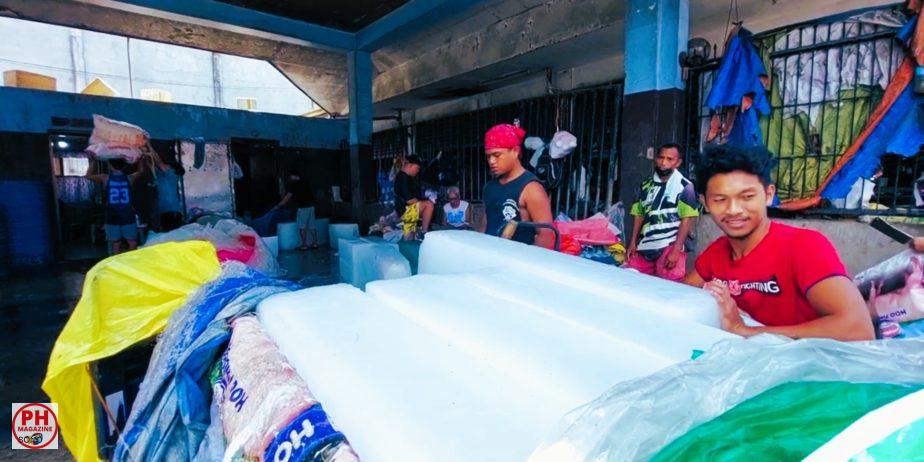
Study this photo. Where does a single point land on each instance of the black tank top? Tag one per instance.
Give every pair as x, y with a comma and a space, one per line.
502, 204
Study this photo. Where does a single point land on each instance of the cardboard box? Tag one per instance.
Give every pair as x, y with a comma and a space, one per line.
23, 79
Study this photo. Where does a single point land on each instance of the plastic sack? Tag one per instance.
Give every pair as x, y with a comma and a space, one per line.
233, 241
262, 399
113, 132
892, 432
617, 216
570, 245
637, 418
105, 151
170, 416
894, 289
787, 422
595, 230
126, 299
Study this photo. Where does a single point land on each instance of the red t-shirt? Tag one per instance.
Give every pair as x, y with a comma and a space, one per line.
772, 281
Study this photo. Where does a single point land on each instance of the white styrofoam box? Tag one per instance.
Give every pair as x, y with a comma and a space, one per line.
321, 226
288, 237
273, 243
339, 231
365, 260
453, 252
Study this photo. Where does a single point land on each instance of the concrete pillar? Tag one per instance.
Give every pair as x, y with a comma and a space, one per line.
359, 66
653, 104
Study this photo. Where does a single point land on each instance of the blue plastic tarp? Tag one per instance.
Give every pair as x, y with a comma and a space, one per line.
170, 415
739, 75
901, 131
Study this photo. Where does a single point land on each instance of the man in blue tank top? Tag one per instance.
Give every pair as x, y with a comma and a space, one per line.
514, 193
120, 215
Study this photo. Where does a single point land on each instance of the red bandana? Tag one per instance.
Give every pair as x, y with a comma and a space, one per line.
504, 136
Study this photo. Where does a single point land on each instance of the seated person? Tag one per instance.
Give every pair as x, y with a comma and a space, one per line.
790, 279
410, 203
456, 213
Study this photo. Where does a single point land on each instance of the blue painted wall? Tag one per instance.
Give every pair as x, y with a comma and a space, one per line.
656, 33
23, 110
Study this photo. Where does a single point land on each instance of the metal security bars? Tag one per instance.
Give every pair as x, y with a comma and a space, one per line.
826, 78
592, 115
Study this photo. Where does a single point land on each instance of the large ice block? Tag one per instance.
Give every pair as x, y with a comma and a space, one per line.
400, 392
339, 231
454, 252
365, 260
476, 366
287, 236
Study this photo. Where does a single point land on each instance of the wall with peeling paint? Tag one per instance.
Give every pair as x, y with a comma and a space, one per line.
31, 111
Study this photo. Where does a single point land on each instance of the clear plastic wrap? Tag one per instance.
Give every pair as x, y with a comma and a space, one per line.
233, 240
894, 289
637, 418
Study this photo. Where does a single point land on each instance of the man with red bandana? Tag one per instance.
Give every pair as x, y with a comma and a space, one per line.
514, 193
790, 279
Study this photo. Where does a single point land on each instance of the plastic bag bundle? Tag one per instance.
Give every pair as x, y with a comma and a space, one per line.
894, 289
635, 419
596, 230
267, 410
233, 241
112, 139
126, 299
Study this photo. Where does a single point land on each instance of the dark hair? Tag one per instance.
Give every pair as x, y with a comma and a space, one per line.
412, 159
118, 164
717, 160
676, 146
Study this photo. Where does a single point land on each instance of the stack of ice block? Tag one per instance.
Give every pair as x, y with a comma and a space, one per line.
480, 358
365, 260
339, 231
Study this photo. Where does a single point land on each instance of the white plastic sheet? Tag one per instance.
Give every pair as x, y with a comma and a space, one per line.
636, 418
224, 235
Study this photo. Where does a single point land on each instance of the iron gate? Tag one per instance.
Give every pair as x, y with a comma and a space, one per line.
826, 78
592, 115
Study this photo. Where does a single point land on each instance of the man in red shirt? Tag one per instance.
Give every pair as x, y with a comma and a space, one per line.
789, 279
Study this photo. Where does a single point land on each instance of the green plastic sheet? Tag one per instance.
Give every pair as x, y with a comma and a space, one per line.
787, 422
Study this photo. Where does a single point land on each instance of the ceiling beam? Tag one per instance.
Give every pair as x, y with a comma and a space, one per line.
407, 20
214, 11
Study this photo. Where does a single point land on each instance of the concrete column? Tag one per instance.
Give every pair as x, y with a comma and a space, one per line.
653, 105
359, 66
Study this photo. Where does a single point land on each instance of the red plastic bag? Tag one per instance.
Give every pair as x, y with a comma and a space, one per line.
569, 245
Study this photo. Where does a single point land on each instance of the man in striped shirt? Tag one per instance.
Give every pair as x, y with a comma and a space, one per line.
664, 211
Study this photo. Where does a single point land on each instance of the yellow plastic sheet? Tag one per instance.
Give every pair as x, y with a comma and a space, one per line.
125, 299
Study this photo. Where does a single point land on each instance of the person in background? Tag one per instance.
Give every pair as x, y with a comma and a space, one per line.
410, 203
120, 215
456, 213
790, 279
297, 201
144, 195
664, 211
514, 193
169, 203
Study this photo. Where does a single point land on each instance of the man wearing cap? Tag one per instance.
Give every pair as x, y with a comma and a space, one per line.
514, 193
410, 203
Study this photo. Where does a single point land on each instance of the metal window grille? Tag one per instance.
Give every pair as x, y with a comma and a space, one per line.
826, 79
592, 115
